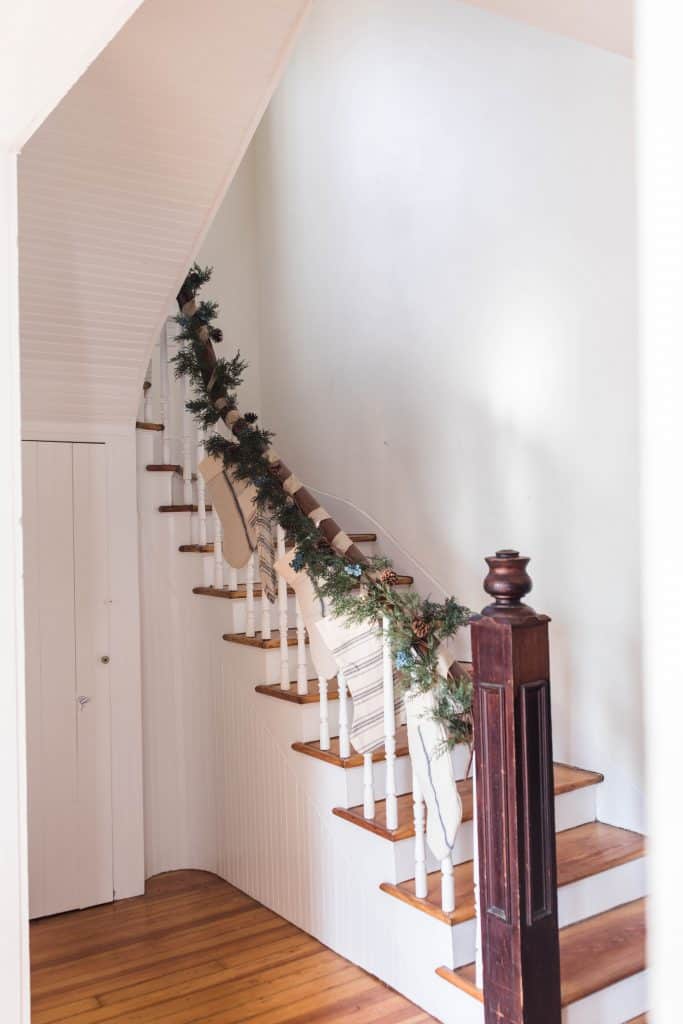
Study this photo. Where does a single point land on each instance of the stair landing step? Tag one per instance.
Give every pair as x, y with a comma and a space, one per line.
258, 641
581, 852
232, 595
312, 697
143, 425
567, 779
355, 760
594, 954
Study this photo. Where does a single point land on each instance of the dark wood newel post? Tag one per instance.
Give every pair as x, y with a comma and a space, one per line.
515, 802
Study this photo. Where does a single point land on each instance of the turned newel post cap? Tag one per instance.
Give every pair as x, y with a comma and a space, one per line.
508, 583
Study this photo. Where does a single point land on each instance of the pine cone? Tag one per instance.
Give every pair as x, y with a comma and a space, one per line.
421, 628
389, 577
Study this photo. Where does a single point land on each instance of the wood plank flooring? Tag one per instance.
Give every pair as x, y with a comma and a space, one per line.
196, 949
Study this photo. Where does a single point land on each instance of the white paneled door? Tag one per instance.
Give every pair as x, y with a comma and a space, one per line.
67, 676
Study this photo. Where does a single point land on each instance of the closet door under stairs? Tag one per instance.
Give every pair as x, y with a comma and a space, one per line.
67, 676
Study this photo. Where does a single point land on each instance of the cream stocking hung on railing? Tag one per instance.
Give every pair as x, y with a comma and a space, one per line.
433, 768
233, 501
313, 610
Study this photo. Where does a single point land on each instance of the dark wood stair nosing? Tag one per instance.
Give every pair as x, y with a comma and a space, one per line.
291, 696
257, 642
232, 595
183, 508
144, 425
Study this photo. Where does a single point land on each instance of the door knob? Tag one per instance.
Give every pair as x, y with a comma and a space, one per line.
105, 659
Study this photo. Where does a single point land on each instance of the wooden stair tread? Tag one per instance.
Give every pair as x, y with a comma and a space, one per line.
193, 549
183, 508
581, 852
567, 779
164, 467
256, 641
141, 425
594, 954
406, 829
232, 595
331, 756
312, 697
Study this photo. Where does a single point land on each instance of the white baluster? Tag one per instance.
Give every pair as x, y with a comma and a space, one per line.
389, 730
368, 788
201, 491
265, 614
344, 741
478, 957
301, 666
324, 713
250, 630
187, 445
232, 578
420, 851
283, 620
217, 551
147, 401
163, 397
447, 885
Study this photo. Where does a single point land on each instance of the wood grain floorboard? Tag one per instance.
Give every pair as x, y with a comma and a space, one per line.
195, 949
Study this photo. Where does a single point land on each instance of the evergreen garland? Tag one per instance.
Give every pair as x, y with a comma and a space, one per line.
361, 592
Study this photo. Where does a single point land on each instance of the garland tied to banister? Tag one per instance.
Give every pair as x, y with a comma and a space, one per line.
361, 589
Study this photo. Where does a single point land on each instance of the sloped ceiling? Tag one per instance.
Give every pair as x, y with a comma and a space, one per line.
119, 184
604, 23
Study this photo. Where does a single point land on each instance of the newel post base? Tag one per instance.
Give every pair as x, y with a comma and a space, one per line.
515, 802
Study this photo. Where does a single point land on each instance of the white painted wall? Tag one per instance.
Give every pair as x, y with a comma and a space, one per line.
660, 167
230, 247
29, 34
608, 24
447, 315
112, 183
14, 967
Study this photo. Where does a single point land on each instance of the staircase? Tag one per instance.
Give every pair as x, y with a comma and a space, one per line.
240, 780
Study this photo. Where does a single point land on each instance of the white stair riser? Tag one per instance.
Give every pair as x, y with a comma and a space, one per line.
601, 892
620, 1002
302, 719
238, 609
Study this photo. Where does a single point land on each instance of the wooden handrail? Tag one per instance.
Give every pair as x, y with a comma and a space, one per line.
515, 802
329, 529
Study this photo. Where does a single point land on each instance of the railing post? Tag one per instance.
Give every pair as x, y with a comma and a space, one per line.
515, 802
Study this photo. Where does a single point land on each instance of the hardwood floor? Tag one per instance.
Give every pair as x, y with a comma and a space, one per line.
196, 949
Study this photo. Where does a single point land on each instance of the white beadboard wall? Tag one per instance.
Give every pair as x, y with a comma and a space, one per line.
119, 185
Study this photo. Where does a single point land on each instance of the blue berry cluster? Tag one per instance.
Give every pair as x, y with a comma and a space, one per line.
297, 562
403, 659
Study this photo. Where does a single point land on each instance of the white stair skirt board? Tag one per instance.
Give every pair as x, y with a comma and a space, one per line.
226, 792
